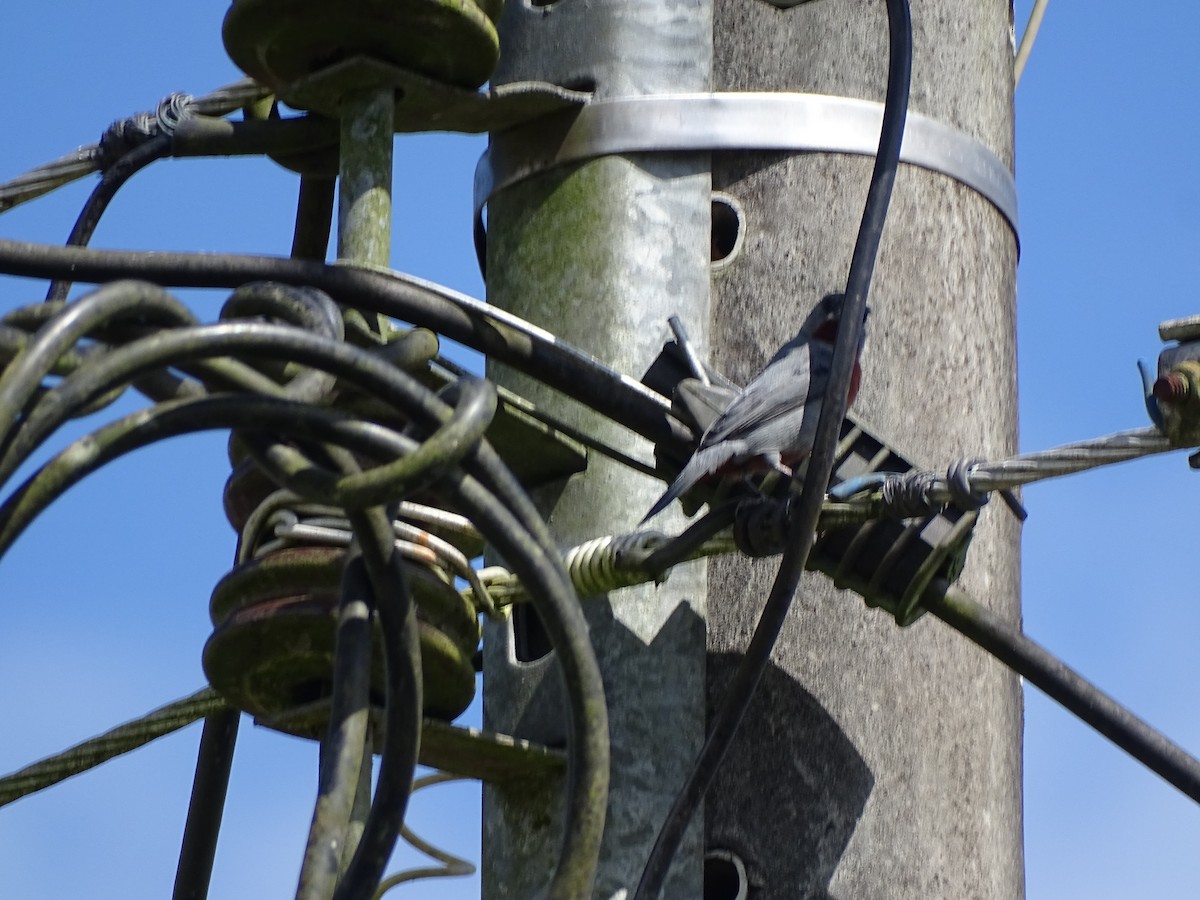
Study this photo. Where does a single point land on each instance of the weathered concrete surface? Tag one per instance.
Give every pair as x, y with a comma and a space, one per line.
877, 762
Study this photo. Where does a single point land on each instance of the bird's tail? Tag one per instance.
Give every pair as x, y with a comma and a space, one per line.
703, 463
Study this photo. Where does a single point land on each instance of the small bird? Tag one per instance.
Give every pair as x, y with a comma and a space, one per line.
772, 423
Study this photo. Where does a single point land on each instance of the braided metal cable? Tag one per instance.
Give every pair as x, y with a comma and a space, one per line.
113, 743
94, 157
1069, 459
968, 482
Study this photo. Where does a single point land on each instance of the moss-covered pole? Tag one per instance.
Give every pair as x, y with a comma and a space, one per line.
876, 762
364, 237
602, 254
365, 178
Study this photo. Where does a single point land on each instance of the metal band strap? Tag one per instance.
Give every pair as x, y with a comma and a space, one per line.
736, 121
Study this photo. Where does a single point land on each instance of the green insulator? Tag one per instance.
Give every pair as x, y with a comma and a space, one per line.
272, 648
279, 41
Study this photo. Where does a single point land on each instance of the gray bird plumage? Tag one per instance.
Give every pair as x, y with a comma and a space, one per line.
773, 420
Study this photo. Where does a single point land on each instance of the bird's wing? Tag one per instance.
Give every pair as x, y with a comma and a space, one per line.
781, 390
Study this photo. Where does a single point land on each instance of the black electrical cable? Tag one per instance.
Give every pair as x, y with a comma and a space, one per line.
314, 217
488, 493
342, 755
208, 136
207, 805
203, 136
181, 346
498, 335
530, 553
22, 379
305, 308
439, 451
1061, 683
111, 181
20, 326
680, 547
295, 137
404, 702
858, 281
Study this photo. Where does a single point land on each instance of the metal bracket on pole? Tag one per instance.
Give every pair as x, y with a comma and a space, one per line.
673, 123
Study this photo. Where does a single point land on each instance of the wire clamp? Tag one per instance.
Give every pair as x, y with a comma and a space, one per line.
1173, 400
703, 122
126, 134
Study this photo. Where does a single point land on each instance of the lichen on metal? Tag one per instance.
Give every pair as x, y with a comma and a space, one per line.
426, 104
1177, 390
279, 41
365, 185
272, 647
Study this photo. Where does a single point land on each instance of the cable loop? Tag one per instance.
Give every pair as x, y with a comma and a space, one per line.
445, 450
609, 563
909, 495
304, 307
958, 480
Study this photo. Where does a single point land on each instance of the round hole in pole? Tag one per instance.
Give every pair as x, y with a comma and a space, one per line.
727, 227
724, 876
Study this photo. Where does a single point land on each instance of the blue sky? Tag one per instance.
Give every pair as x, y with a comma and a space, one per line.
105, 598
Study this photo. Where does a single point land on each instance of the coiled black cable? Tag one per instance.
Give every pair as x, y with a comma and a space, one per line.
474, 476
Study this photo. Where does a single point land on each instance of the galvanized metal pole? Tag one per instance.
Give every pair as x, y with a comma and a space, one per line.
601, 254
875, 762
364, 238
365, 178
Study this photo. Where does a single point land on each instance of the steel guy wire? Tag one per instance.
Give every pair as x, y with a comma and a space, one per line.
91, 158
1028, 37
113, 743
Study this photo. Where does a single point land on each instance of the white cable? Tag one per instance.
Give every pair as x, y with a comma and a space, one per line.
1028, 36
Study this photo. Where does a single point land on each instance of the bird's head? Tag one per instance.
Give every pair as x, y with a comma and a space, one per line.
822, 323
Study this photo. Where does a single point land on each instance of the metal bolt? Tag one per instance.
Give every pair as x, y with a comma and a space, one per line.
1171, 388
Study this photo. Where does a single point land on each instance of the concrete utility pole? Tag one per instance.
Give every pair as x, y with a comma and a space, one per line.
875, 762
